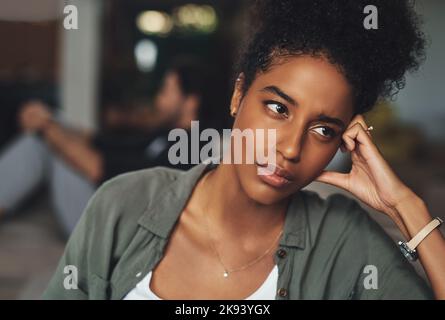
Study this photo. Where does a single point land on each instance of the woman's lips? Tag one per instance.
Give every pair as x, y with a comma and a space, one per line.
274, 175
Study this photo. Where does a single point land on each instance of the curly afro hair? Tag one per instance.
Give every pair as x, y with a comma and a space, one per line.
373, 61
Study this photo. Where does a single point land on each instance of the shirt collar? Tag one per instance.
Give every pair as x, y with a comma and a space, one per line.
163, 212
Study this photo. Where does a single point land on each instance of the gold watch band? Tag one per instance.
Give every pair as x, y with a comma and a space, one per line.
414, 242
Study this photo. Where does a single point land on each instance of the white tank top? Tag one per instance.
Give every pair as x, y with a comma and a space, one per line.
266, 291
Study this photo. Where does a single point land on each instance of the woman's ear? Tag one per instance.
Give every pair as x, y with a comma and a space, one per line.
237, 95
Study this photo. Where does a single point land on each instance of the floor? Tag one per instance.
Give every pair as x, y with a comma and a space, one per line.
30, 248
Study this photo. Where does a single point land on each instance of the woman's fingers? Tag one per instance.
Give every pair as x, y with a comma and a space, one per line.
334, 178
357, 135
352, 133
359, 119
347, 144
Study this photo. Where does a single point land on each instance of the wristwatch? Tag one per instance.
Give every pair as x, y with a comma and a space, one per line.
409, 248
410, 254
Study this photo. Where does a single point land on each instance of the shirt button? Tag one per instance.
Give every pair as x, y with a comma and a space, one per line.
138, 274
282, 292
281, 253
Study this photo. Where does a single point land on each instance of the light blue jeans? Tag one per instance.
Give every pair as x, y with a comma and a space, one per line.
28, 162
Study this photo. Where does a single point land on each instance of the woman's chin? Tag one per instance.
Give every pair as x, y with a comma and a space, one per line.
265, 195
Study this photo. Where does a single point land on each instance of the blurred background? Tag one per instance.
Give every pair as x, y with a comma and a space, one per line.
103, 91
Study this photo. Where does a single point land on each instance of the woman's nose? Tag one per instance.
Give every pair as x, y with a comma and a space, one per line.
290, 144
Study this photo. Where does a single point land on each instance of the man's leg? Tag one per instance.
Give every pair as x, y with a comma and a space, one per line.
70, 192
23, 166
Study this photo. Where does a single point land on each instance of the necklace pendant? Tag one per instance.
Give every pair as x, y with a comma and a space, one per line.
225, 274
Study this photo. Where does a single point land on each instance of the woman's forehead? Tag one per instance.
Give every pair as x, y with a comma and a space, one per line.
305, 69
307, 80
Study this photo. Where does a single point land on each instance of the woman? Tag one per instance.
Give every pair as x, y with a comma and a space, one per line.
222, 231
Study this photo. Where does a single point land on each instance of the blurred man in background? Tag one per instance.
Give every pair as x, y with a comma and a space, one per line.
75, 163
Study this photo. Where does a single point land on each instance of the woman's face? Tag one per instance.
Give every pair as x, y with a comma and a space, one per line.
309, 103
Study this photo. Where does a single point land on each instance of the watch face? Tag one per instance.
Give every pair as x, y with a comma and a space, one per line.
409, 254
405, 253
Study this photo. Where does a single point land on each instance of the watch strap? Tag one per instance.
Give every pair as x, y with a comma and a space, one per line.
414, 242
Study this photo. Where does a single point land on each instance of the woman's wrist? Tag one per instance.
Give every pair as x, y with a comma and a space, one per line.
414, 214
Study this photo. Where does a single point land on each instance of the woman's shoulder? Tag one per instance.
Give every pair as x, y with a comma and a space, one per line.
336, 216
340, 221
335, 206
122, 200
345, 239
147, 178
137, 185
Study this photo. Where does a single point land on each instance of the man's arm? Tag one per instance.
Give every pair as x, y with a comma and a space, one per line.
73, 147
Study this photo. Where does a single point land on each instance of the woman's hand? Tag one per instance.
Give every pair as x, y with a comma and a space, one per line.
371, 179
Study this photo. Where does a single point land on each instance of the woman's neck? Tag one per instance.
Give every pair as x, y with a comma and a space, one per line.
230, 209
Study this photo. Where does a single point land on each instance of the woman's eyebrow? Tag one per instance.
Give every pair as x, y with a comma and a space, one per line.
279, 92
321, 117
325, 118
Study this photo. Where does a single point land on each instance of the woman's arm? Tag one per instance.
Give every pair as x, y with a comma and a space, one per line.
372, 180
414, 214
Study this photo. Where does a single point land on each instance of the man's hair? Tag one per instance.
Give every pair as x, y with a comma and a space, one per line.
192, 75
200, 78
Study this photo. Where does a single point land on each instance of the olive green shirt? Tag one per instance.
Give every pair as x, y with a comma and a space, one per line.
330, 248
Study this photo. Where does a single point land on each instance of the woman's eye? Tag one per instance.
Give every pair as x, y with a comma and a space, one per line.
277, 107
326, 132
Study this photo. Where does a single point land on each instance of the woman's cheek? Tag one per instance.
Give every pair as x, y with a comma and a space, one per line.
318, 155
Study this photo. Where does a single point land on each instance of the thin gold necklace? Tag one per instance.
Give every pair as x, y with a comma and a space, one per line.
228, 271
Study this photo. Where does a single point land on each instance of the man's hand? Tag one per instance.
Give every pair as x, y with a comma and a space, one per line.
34, 116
